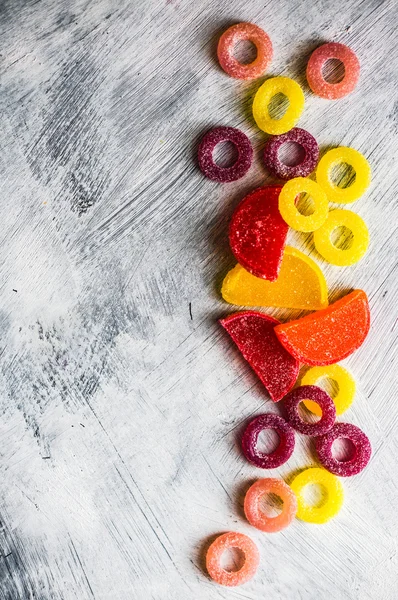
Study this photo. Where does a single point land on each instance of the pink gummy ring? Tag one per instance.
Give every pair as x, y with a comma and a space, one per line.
362, 450
216, 550
227, 42
250, 437
316, 394
316, 80
206, 149
299, 136
257, 517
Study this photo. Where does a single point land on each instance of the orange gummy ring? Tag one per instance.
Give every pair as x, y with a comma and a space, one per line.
258, 37
257, 517
217, 548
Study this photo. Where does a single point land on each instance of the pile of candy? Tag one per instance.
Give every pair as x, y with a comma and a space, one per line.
269, 273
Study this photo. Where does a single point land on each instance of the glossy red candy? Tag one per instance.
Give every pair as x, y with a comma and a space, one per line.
253, 333
257, 233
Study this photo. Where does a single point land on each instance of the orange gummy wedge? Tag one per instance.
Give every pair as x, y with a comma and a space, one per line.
329, 335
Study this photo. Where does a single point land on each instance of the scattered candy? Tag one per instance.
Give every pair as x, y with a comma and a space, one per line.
272, 87
257, 517
278, 168
316, 80
206, 149
289, 211
334, 495
250, 437
348, 156
362, 452
328, 335
324, 401
345, 383
216, 550
255, 337
257, 233
227, 43
342, 257
300, 284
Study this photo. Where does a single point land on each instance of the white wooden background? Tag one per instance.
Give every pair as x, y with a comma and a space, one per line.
119, 414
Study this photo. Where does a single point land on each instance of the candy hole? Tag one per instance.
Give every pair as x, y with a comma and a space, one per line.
271, 505
306, 415
342, 175
268, 441
232, 559
330, 386
333, 71
291, 154
343, 449
245, 52
342, 237
225, 154
305, 204
277, 106
314, 495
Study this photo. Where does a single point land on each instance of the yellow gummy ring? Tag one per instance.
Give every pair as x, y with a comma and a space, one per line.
288, 209
344, 380
333, 491
362, 174
264, 94
330, 252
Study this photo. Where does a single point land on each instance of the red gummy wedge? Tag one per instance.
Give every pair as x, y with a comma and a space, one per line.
257, 233
254, 334
329, 335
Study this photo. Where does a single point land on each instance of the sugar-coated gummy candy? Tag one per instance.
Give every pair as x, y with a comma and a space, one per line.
254, 334
325, 403
333, 491
304, 168
290, 213
257, 517
223, 542
250, 438
243, 32
300, 284
265, 93
316, 80
361, 455
342, 257
257, 233
206, 149
344, 380
351, 157
328, 335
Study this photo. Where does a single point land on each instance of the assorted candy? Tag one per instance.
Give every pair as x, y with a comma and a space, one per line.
342, 257
321, 398
362, 450
331, 504
244, 32
298, 136
216, 550
345, 383
206, 148
257, 517
286, 441
289, 210
265, 93
316, 80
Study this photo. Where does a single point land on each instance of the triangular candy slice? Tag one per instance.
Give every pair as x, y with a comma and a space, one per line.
257, 233
254, 334
300, 284
329, 335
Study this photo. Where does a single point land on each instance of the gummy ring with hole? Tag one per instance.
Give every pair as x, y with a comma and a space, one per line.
217, 548
206, 149
272, 87
316, 394
342, 257
289, 211
316, 80
362, 453
299, 136
227, 42
344, 380
257, 517
354, 159
334, 495
250, 437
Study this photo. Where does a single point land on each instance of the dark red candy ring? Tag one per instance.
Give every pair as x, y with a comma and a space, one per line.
316, 394
282, 453
362, 450
299, 136
206, 148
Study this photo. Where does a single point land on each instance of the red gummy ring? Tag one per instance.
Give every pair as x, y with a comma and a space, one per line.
282, 453
316, 394
316, 80
257, 517
362, 453
222, 543
236, 33
206, 149
301, 137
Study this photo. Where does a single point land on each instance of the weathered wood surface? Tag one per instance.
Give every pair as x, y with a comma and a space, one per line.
120, 413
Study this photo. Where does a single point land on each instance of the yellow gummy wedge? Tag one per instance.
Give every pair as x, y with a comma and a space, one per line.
300, 284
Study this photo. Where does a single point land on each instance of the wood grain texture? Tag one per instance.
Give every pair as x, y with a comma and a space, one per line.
121, 399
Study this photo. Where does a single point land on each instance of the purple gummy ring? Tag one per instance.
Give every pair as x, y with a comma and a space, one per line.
206, 149
362, 450
316, 394
286, 444
299, 136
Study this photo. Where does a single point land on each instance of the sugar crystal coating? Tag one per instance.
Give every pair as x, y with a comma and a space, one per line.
286, 441
362, 450
225, 541
351, 157
316, 80
290, 213
333, 490
342, 257
265, 93
257, 517
206, 149
344, 380
278, 168
229, 39
325, 403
